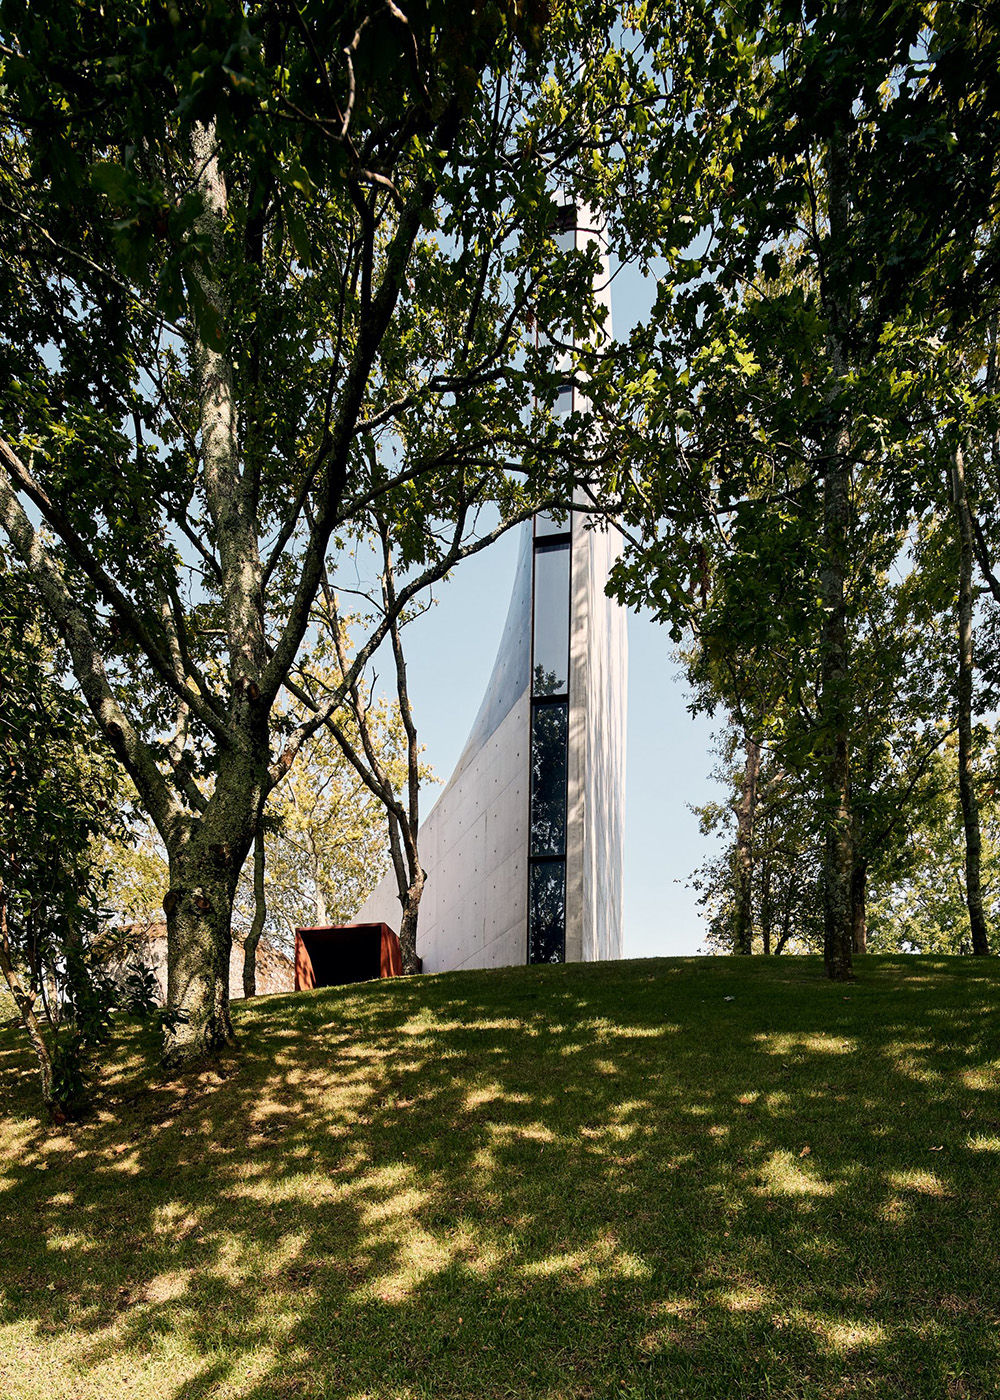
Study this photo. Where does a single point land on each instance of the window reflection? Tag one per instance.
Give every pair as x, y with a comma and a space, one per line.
547, 926
549, 732
547, 524
551, 620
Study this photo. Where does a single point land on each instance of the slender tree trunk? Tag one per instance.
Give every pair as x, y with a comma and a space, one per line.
766, 908
745, 814
27, 1012
321, 914
835, 691
966, 756
408, 925
786, 931
259, 917
859, 907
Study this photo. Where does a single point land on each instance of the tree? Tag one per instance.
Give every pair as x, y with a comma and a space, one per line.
324, 833
59, 795
794, 366
395, 785
919, 899
233, 329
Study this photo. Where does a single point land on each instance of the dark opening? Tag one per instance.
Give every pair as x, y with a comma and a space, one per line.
549, 735
547, 916
345, 955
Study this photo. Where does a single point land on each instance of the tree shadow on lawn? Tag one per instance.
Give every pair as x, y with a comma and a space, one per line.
566, 1182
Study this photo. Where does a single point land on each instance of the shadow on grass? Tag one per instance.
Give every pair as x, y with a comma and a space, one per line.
566, 1182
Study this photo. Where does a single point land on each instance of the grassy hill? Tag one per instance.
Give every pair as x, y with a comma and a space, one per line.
681, 1177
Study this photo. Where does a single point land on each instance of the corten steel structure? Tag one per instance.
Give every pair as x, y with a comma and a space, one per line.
523, 849
337, 954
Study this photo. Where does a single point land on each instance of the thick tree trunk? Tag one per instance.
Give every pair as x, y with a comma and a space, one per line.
199, 910
259, 917
859, 907
835, 690
745, 813
966, 755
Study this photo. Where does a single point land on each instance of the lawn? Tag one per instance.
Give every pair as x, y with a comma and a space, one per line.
680, 1177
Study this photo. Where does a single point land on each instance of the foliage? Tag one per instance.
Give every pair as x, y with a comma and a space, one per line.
59, 798
264, 269
917, 902
809, 380
326, 836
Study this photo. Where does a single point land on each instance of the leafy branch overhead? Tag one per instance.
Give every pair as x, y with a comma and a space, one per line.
268, 272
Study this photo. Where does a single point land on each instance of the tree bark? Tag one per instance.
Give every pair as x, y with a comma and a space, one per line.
321, 914
966, 755
26, 1009
859, 907
835, 688
408, 924
259, 917
766, 908
745, 814
199, 910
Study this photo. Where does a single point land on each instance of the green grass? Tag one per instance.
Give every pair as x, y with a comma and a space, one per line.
598, 1181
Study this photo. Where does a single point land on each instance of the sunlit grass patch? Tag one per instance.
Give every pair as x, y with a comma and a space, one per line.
571, 1183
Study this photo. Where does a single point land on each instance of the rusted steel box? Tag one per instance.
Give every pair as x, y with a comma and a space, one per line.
342, 953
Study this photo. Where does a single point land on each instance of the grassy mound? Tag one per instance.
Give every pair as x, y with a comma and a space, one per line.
684, 1177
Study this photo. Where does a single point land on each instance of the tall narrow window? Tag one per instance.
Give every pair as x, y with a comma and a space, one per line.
549, 732
550, 636
550, 617
547, 524
547, 935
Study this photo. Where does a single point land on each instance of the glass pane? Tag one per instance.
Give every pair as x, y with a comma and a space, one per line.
549, 733
547, 919
565, 240
564, 401
547, 524
551, 620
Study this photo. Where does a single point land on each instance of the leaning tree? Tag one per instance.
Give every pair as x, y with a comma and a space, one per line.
263, 268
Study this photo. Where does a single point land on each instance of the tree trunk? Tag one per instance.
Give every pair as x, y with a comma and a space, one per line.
320, 913
766, 908
26, 1009
859, 907
966, 757
786, 921
745, 813
199, 910
259, 917
408, 926
835, 690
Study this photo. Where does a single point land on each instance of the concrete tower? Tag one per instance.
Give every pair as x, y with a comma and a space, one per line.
523, 849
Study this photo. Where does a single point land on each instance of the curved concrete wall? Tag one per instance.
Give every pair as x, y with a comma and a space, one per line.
474, 843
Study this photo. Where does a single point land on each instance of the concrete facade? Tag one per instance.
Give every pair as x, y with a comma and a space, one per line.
533, 816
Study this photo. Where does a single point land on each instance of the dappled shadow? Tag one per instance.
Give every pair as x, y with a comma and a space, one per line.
667, 1178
